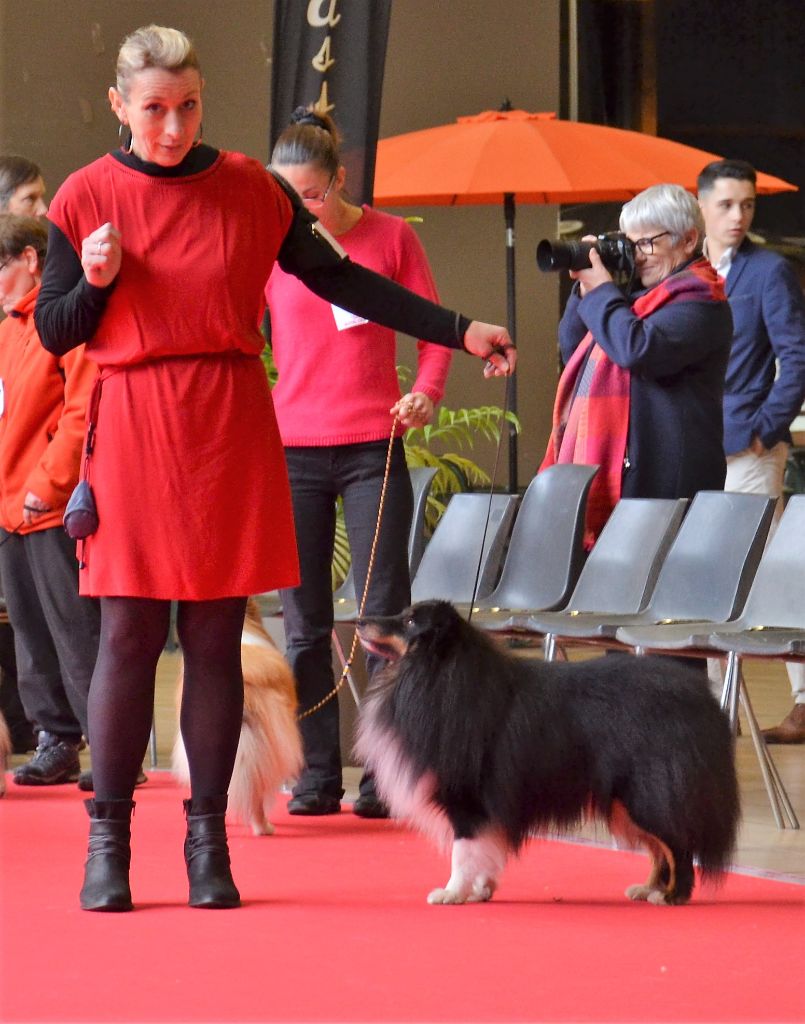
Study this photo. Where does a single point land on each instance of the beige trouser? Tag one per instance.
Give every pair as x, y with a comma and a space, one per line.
760, 474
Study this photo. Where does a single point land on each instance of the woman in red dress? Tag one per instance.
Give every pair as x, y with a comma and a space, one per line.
158, 259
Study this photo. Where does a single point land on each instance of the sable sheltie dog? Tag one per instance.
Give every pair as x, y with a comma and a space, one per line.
270, 747
5, 750
482, 749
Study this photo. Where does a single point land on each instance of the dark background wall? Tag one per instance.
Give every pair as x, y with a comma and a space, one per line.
731, 79
727, 76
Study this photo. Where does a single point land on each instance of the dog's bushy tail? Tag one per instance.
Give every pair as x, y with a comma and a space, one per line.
718, 833
269, 752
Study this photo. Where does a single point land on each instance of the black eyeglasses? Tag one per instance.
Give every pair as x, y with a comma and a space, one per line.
646, 245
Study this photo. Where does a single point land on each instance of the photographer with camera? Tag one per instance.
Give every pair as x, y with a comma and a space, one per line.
641, 393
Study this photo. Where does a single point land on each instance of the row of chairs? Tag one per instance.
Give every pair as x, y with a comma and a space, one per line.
665, 576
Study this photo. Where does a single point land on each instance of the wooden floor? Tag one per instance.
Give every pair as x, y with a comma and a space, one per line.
761, 848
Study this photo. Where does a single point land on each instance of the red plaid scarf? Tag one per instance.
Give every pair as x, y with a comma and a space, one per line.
591, 412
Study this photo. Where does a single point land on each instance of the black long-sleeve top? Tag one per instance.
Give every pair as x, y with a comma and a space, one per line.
69, 308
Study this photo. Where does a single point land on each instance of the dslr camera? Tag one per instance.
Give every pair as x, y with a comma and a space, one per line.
615, 249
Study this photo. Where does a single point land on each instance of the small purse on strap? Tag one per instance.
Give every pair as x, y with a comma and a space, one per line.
81, 515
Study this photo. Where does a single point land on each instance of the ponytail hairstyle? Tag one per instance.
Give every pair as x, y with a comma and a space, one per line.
310, 138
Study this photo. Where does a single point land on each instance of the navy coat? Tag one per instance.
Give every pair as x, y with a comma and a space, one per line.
768, 315
677, 358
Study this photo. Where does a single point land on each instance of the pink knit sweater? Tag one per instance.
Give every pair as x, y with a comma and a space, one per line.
337, 383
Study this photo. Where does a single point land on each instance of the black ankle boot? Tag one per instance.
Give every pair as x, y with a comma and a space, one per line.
207, 855
106, 873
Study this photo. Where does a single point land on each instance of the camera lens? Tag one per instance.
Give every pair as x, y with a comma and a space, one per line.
563, 256
616, 252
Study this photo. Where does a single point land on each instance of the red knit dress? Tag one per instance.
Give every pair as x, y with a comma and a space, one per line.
187, 469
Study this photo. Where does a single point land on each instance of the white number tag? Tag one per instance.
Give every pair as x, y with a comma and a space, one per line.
344, 319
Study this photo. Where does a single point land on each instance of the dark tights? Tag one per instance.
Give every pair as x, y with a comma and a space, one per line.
121, 697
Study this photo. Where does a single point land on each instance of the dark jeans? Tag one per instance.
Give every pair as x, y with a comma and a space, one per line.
56, 632
10, 704
318, 476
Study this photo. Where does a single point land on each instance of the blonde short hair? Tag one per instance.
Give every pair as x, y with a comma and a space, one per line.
154, 46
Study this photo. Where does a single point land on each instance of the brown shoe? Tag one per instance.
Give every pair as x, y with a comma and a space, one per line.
790, 730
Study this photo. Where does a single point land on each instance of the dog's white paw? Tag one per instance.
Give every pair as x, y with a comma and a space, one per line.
263, 828
647, 894
446, 896
481, 893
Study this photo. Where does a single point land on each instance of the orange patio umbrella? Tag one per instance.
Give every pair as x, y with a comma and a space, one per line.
508, 156
537, 158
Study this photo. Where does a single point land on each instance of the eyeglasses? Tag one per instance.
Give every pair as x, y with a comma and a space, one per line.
318, 199
646, 245
6, 262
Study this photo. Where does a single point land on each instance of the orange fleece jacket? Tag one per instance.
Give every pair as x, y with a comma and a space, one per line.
43, 419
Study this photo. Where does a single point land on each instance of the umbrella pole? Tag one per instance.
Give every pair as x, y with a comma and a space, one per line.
511, 382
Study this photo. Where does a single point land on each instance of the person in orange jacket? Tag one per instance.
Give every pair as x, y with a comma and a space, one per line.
43, 401
22, 191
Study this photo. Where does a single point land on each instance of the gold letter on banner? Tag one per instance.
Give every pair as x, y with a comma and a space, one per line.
315, 18
324, 60
322, 105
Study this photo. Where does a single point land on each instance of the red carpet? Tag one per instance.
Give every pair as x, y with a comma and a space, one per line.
335, 927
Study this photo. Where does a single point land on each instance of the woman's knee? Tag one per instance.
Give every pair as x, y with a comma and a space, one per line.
134, 628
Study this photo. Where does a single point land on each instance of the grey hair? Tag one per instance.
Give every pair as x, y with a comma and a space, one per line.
154, 46
664, 206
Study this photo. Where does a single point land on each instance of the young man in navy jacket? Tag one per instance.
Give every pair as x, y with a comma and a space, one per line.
765, 382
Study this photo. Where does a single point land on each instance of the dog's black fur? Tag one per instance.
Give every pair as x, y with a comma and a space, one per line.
503, 747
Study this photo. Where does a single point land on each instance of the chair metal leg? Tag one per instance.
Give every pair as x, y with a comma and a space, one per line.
339, 650
778, 797
152, 744
731, 690
549, 647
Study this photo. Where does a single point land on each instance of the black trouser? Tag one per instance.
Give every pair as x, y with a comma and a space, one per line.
10, 704
318, 476
56, 631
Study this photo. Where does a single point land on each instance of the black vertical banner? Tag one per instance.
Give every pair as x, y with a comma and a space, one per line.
331, 53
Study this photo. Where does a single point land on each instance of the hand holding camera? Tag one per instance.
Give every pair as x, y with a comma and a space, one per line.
593, 276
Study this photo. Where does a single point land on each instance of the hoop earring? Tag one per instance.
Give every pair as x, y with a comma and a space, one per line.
127, 144
198, 141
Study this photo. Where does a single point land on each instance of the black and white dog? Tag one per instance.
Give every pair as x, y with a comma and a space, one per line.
482, 749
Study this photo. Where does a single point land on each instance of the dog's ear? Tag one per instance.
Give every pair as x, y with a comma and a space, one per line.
431, 621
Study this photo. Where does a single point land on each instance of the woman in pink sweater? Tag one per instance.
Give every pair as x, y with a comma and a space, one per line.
335, 400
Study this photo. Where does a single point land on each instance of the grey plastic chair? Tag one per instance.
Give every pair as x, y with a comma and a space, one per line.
708, 573
709, 567
468, 544
452, 558
772, 625
345, 599
620, 573
546, 550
